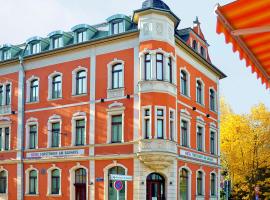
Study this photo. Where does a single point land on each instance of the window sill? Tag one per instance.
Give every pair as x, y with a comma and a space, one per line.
79, 95
51, 99
54, 195
213, 111
185, 96
32, 102
32, 195
201, 104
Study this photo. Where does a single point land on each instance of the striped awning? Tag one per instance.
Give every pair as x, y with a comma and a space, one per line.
246, 25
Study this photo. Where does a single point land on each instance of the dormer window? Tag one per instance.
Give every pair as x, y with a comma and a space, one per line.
35, 48
6, 54
195, 45
57, 42
81, 36
203, 52
117, 27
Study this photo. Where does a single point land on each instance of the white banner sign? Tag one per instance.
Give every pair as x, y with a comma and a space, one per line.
52, 154
119, 177
197, 156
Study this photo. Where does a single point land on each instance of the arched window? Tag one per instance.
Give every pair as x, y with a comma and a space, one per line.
159, 66
81, 82
55, 181
199, 92
3, 182
117, 76
213, 184
147, 64
199, 183
112, 194
33, 182
80, 176
184, 84
195, 45
184, 185
34, 90
57, 87
202, 52
212, 100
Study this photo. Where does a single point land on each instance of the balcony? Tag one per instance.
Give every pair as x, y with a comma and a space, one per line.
5, 109
157, 154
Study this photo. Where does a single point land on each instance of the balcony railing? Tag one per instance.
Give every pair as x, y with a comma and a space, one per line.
157, 145
5, 109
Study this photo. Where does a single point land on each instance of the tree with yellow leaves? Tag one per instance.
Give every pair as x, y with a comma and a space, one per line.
245, 150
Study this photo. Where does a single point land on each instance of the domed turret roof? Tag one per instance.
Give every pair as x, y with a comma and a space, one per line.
158, 4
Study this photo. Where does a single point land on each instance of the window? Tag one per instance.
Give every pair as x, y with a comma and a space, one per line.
213, 184
116, 129
57, 87
6, 138
199, 183
159, 69
117, 27
33, 136
212, 100
3, 182
81, 82
80, 132
184, 185
212, 142
202, 52
35, 48
55, 134
8, 94
199, 92
199, 138
33, 182
57, 42
172, 125
1, 140
147, 123
147, 63
184, 133
1, 95
112, 193
160, 124
55, 181
195, 45
81, 36
184, 84
6, 55
117, 76
170, 73
80, 176
34, 90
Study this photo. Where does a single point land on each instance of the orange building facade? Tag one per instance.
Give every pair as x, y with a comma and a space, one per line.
132, 100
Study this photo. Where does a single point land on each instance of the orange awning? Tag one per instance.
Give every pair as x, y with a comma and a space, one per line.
246, 25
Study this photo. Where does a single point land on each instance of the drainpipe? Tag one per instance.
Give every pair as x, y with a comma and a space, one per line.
20, 129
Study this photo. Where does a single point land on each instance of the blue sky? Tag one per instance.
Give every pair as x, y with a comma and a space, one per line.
21, 20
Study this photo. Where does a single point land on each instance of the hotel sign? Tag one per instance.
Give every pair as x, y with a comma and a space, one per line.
197, 156
55, 154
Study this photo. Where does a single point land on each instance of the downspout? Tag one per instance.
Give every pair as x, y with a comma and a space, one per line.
20, 128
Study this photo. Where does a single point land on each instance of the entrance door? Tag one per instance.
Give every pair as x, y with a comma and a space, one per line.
155, 187
80, 184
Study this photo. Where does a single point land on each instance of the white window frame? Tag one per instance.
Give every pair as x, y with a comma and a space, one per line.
74, 82
185, 115
189, 180
144, 108
38, 50
173, 120
54, 119
75, 117
115, 109
50, 85
27, 173
164, 121
215, 100
203, 91
214, 129
49, 179
28, 88
31, 121
4, 103
200, 123
4, 195
203, 183
184, 69
216, 191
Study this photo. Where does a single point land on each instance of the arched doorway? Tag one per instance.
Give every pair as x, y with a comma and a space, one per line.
155, 184
80, 184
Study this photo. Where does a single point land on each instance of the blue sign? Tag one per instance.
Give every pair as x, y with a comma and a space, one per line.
99, 179
118, 185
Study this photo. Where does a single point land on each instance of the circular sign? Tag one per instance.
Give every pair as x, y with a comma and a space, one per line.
118, 185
